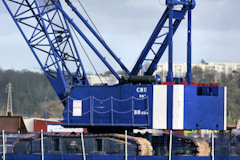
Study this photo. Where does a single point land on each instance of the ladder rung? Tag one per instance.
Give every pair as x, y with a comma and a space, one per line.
165, 26
162, 35
158, 43
148, 59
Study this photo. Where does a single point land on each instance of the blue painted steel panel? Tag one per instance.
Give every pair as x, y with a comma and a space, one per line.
190, 108
132, 105
110, 157
125, 105
204, 110
221, 110
178, 15
58, 86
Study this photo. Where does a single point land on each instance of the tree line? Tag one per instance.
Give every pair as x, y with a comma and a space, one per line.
29, 92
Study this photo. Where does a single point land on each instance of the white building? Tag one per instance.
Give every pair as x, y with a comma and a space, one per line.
102, 79
179, 70
221, 67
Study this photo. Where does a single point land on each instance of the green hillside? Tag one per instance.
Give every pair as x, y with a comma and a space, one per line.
29, 91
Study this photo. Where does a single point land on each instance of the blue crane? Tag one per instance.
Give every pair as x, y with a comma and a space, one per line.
137, 101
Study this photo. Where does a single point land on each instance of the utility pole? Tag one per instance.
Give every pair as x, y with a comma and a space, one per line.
9, 101
2, 110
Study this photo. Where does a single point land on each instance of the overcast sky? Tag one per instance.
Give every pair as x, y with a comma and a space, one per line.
126, 26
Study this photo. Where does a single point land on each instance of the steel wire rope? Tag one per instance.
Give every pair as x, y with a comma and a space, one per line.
65, 111
95, 27
140, 99
102, 112
122, 100
84, 99
161, 3
86, 112
49, 99
69, 111
123, 112
112, 98
90, 19
57, 101
85, 52
101, 100
52, 112
148, 111
112, 109
54, 101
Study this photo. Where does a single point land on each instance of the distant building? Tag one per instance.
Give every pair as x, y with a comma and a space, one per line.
179, 70
102, 79
48, 125
38, 124
221, 67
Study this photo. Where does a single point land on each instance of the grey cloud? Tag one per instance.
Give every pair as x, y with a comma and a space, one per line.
127, 25
217, 15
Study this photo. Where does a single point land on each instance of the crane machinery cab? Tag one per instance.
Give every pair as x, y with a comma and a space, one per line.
137, 101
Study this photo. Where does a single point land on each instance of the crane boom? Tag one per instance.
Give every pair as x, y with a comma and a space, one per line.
174, 18
48, 35
98, 36
87, 41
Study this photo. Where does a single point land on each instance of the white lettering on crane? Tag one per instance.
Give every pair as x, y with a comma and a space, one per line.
139, 112
141, 89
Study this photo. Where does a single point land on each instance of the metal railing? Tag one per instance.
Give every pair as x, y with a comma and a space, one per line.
166, 143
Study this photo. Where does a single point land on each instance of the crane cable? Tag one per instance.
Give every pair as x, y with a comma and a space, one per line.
85, 11
162, 4
86, 54
95, 27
